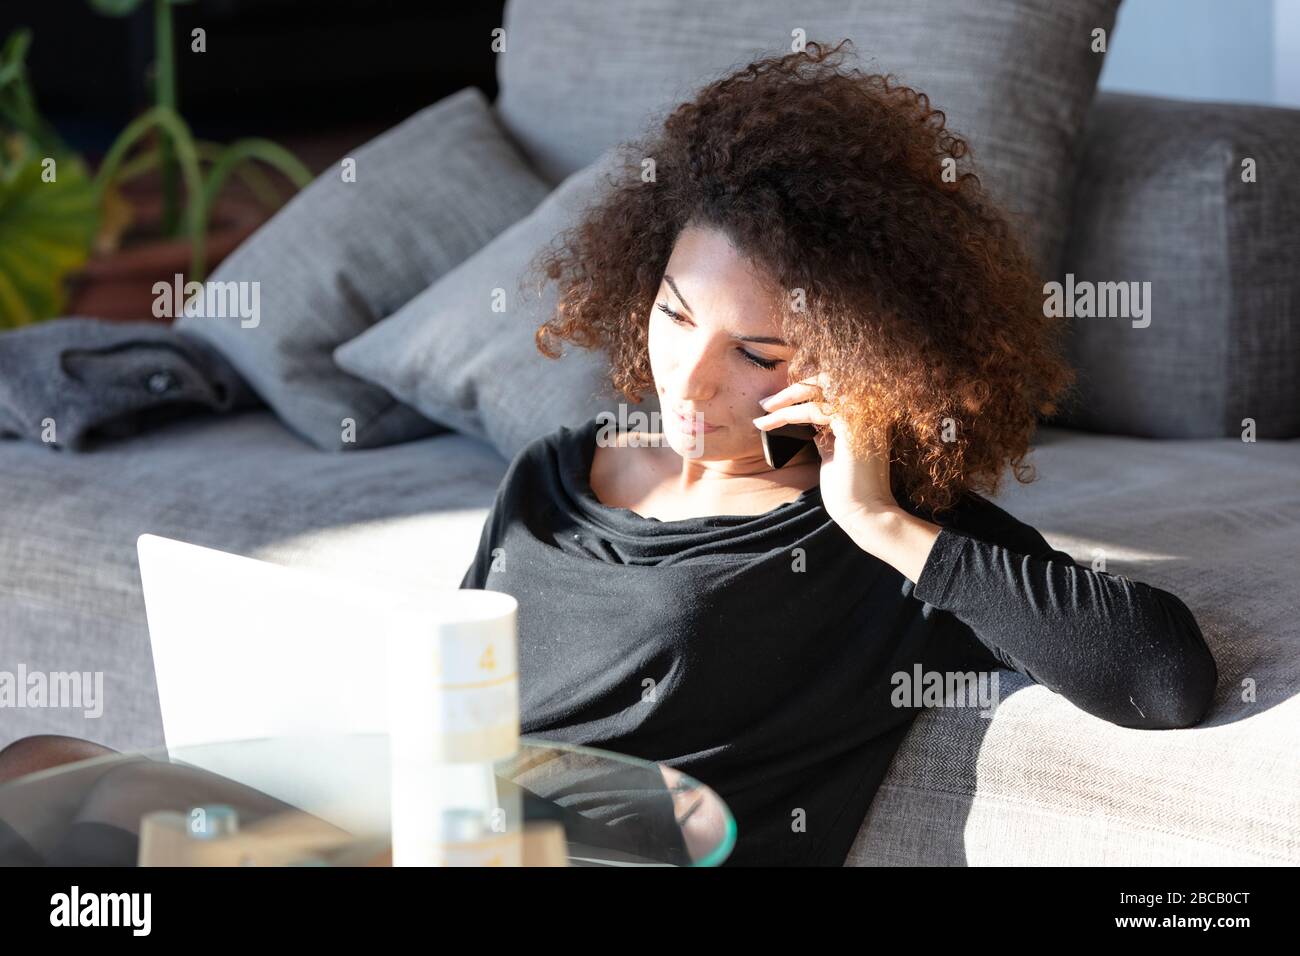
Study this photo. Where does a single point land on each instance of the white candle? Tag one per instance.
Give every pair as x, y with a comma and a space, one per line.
453, 706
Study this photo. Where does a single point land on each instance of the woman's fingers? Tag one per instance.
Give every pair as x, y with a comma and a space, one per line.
808, 413
795, 392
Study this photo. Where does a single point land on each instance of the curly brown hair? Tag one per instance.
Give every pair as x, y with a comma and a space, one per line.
918, 299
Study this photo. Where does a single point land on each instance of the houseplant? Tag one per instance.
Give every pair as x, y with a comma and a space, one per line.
48, 205
144, 231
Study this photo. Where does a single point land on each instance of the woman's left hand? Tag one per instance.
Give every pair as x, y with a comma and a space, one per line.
852, 488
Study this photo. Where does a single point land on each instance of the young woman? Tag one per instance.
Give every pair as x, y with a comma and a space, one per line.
788, 249
792, 247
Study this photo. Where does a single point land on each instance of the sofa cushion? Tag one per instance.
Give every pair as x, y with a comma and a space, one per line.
465, 363
343, 254
1163, 198
1015, 77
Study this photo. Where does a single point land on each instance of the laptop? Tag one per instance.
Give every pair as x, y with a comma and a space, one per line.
244, 648
248, 650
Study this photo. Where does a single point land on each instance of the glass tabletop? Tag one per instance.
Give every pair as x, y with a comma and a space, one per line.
328, 800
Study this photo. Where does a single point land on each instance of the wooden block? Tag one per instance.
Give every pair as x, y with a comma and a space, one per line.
279, 840
295, 838
544, 844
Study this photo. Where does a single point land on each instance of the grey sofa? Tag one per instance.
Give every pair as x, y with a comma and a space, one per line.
1214, 519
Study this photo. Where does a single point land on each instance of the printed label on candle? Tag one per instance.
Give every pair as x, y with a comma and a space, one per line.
479, 684
453, 679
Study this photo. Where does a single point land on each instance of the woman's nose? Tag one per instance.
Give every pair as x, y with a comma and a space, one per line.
696, 377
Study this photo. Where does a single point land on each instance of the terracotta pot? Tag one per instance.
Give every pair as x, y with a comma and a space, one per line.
119, 285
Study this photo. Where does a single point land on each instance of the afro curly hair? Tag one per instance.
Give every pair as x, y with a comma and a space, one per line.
906, 282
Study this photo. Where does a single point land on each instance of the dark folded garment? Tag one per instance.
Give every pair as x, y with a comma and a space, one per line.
70, 382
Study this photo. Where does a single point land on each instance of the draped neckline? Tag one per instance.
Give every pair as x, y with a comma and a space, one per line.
575, 463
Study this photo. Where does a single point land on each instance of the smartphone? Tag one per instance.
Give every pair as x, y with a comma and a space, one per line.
782, 443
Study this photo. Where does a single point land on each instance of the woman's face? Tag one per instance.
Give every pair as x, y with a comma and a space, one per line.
718, 352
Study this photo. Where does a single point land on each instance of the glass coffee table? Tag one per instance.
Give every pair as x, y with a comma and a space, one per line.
325, 800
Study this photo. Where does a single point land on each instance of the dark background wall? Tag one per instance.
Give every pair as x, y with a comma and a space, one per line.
294, 69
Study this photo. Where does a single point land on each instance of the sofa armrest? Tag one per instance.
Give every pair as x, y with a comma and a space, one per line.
1201, 201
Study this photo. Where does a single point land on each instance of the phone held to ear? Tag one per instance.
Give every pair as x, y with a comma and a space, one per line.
782, 443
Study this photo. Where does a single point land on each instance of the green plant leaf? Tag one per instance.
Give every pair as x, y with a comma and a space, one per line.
13, 56
124, 8
46, 230
116, 8
17, 104
239, 152
170, 124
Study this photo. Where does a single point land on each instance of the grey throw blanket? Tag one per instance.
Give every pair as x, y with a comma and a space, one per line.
70, 382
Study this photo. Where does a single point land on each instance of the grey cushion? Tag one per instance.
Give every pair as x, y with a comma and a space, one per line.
1014, 76
478, 371
342, 255
1161, 199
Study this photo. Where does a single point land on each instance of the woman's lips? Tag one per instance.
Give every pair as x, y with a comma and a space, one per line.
688, 425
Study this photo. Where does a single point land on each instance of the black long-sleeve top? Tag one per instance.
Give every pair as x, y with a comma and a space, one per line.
763, 654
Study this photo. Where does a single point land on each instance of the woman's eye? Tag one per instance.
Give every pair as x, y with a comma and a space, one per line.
760, 362
753, 359
676, 317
